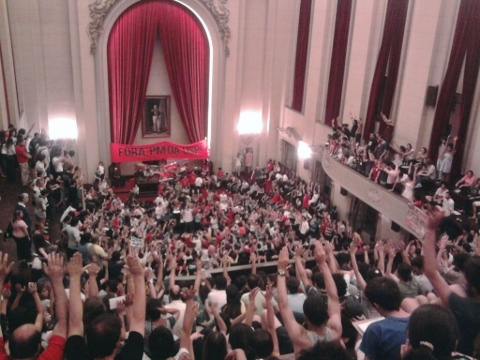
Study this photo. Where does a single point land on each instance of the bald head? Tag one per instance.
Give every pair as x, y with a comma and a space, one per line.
25, 342
175, 292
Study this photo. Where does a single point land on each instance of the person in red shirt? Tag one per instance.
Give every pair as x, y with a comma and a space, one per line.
220, 173
22, 158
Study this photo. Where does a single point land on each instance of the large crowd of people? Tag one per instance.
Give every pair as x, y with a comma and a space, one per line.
114, 284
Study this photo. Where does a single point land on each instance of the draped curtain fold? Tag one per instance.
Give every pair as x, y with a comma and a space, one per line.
382, 94
186, 57
301, 54
337, 63
465, 49
130, 52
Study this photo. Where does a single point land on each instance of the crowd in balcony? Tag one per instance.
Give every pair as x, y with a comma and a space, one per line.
399, 168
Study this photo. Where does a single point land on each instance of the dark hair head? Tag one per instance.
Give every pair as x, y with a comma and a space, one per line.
318, 280
220, 282
242, 337
263, 344
315, 310
103, 335
24, 342
292, 285
384, 292
116, 256
417, 262
215, 346
253, 280
161, 344
404, 271
233, 295
433, 325
92, 308
325, 350
341, 284
153, 313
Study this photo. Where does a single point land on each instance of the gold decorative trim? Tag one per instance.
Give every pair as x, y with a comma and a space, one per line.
100, 8
221, 15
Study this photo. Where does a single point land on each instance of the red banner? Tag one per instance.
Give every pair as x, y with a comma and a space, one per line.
158, 151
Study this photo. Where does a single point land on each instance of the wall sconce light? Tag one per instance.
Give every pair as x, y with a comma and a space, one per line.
304, 151
62, 128
249, 126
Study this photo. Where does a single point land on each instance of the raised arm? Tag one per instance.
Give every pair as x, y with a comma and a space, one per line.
139, 298
299, 268
253, 259
334, 321
297, 333
32, 289
75, 305
430, 264
93, 271
225, 260
360, 280
149, 280
221, 324
271, 320
54, 270
191, 312
251, 306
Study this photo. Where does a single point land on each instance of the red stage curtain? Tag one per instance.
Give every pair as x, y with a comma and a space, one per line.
130, 49
466, 42
388, 57
187, 57
337, 64
301, 54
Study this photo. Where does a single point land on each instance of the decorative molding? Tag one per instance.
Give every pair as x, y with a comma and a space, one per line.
374, 195
221, 15
98, 10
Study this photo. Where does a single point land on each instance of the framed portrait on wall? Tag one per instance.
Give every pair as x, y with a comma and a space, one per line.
156, 119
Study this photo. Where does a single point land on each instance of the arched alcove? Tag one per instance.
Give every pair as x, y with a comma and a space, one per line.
216, 72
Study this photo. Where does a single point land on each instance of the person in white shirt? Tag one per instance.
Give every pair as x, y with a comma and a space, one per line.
218, 295
448, 204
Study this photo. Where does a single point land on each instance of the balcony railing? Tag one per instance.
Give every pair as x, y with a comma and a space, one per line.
393, 206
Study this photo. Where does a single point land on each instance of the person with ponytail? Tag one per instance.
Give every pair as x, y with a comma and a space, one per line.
432, 334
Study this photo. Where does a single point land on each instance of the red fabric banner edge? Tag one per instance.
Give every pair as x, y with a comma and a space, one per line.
157, 151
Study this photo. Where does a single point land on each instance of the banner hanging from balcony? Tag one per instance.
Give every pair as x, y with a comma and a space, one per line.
158, 151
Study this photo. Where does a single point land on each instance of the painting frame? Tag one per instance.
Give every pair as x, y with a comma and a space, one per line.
156, 122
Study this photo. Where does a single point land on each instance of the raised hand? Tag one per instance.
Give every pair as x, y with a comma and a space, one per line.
133, 266
5, 267
283, 259
189, 294
299, 250
320, 254
54, 268
380, 246
75, 266
32, 288
148, 274
93, 270
269, 293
